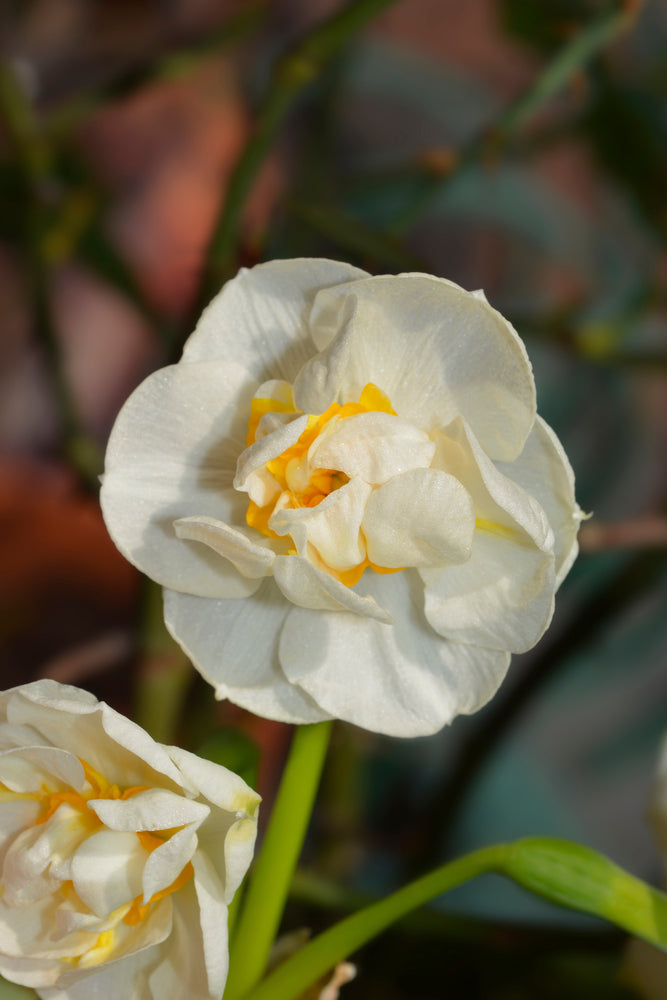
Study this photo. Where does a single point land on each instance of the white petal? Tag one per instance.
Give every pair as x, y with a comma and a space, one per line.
180, 970
107, 870
332, 527
267, 448
165, 864
153, 809
544, 471
309, 587
260, 318
172, 454
215, 783
35, 769
498, 501
436, 350
213, 923
375, 446
401, 679
127, 978
250, 559
421, 518
233, 644
503, 597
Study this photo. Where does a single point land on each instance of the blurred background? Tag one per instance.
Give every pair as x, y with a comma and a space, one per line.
149, 149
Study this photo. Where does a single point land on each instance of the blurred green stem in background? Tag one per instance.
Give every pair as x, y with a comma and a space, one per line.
570, 60
33, 155
292, 74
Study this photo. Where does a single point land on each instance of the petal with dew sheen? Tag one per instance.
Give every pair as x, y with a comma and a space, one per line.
260, 318
543, 470
309, 587
374, 446
421, 518
332, 527
172, 454
250, 558
214, 634
401, 679
436, 350
502, 597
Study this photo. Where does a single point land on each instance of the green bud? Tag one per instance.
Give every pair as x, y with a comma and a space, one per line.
578, 877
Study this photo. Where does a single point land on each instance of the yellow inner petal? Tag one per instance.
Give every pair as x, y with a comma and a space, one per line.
320, 483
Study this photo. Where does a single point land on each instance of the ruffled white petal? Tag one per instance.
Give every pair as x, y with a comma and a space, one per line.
250, 558
234, 646
333, 527
401, 679
436, 350
266, 449
421, 518
172, 454
260, 318
374, 446
305, 585
543, 469
498, 501
502, 597
107, 870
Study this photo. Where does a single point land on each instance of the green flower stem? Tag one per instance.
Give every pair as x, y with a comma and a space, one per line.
266, 895
293, 73
321, 955
561, 871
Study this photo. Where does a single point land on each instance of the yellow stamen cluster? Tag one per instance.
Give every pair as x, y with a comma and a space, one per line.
317, 484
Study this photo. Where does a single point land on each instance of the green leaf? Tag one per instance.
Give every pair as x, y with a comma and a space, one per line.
11, 991
576, 876
234, 750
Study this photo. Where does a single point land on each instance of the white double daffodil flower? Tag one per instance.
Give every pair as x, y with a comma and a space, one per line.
119, 855
348, 496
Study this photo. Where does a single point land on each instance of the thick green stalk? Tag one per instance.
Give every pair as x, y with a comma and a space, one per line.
321, 955
564, 872
270, 880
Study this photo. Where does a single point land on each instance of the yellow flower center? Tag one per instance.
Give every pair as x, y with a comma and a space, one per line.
131, 913
303, 486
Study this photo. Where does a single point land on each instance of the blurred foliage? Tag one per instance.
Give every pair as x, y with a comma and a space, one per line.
146, 151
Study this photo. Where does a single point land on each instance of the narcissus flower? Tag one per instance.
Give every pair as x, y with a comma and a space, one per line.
119, 855
348, 496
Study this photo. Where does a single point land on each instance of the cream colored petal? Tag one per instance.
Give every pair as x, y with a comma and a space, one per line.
265, 450
401, 679
421, 518
172, 454
543, 470
153, 809
107, 870
435, 349
374, 446
500, 503
304, 584
215, 783
332, 527
260, 318
249, 558
233, 644
502, 597
180, 969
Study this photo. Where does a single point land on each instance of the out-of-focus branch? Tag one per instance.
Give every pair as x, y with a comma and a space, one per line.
293, 73
33, 156
642, 533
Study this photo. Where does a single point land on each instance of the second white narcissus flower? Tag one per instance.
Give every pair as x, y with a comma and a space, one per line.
346, 491
120, 855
